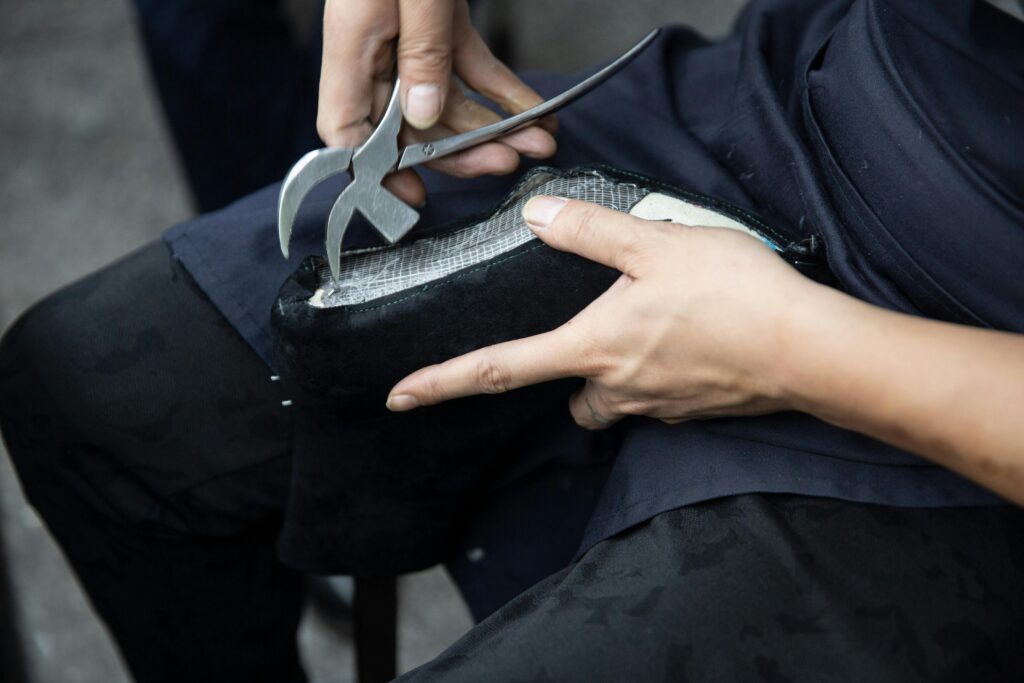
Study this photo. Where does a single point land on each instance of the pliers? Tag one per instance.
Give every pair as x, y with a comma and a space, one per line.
380, 156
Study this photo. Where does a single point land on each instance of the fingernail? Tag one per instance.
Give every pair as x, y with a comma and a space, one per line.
402, 402
536, 143
540, 211
423, 105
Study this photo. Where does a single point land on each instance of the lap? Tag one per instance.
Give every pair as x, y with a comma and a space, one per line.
149, 399
166, 414
769, 587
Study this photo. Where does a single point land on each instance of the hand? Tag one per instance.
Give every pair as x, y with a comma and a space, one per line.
695, 327
707, 322
434, 39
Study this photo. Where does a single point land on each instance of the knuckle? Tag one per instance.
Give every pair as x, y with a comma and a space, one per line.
425, 54
665, 229
632, 407
492, 376
457, 166
433, 389
582, 218
632, 247
594, 362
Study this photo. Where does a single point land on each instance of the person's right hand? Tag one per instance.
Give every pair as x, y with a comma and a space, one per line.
431, 40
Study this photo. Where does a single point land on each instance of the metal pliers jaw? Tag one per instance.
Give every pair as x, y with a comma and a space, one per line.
308, 172
379, 156
369, 164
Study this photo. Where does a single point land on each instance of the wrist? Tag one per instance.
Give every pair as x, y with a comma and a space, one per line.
818, 323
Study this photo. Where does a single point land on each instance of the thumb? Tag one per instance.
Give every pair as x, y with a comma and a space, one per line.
611, 237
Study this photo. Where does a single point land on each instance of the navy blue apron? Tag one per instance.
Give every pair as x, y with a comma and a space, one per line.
891, 129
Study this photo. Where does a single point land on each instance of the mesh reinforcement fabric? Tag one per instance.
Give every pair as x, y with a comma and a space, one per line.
374, 273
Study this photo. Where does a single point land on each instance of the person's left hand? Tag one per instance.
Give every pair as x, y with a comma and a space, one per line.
698, 325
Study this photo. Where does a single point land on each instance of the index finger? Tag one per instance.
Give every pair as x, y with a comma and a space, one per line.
607, 236
356, 55
491, 370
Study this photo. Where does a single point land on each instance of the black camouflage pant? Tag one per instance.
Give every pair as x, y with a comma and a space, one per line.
769, 588
153, 443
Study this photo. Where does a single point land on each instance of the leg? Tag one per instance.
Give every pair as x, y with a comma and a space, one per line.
769, 588
238, 87
152, 442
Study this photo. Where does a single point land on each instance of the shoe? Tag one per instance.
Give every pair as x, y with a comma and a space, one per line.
484, 280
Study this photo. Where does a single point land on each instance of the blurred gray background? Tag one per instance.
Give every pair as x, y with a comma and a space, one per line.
88, 172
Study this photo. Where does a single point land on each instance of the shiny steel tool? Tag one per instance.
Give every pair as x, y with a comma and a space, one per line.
379, 156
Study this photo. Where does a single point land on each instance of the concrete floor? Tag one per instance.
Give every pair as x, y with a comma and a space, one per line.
87, 173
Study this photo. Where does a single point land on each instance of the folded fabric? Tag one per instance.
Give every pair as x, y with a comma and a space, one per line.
395, 309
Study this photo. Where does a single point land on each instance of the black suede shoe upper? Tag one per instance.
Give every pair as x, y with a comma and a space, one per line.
420, 470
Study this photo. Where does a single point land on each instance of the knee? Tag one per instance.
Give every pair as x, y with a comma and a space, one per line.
12, 350
28, 364
43, 430
19, 356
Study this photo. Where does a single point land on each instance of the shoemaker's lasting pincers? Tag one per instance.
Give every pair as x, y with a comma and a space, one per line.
380, 156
